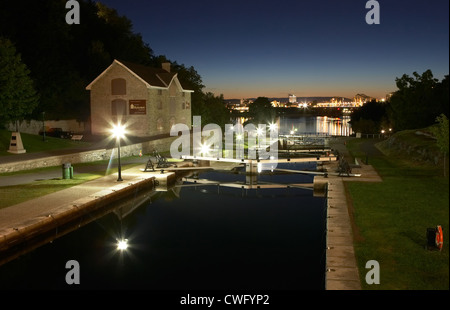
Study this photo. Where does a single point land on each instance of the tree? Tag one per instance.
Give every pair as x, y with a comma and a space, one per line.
64, 59
216, 109
441, 132
18, 98
369, 118
418, 101
261, 111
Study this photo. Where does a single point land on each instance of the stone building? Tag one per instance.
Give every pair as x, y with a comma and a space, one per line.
148, 101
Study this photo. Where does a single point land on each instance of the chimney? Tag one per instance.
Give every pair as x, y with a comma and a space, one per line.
166, 66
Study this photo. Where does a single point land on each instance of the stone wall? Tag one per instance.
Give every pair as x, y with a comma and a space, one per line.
161, 145
34, 126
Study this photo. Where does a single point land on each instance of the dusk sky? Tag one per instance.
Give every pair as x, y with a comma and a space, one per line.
250, 48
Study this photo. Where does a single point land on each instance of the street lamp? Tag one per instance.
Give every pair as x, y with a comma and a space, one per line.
259, 133
122, 244
205, 149
118, 131
272, 126
43, 126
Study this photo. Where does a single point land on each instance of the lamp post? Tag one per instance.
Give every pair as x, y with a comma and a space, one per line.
118, 131
259, 133
119, 177
43, 126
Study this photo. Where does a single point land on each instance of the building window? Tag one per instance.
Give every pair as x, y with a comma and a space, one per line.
183, 106
172, 122
160, 92
159, 105
119, 107
159, 124
172, 105
119, 87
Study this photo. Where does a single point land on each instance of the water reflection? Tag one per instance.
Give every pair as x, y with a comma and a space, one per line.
311, 125
191, 237
322, 125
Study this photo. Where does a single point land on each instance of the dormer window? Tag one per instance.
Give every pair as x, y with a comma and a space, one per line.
119, 87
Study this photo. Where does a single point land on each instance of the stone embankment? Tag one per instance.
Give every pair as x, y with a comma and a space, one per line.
33, 161
419, 146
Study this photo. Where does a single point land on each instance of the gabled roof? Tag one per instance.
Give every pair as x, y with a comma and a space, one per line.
152, 77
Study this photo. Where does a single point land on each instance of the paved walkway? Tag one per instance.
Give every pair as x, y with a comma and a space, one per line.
56, 172
20, 214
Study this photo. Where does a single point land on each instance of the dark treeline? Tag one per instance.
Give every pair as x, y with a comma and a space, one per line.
417, 103
63, 59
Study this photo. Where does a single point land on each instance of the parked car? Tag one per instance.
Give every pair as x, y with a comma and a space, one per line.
57, 132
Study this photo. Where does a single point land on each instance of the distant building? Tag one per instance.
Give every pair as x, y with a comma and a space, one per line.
361, 99
292, 99
147, 100
276, 104
246, 102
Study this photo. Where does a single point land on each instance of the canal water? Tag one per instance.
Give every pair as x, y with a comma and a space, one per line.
192, 238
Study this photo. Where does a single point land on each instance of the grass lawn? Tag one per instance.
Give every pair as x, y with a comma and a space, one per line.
34, 143
392, 218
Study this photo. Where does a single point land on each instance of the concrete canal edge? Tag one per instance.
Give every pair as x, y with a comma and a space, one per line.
341, 267
341, 271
